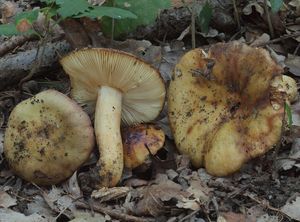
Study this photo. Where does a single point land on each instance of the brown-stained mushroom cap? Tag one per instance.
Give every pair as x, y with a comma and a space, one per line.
47, 138
118, 86
223, 109
140, 142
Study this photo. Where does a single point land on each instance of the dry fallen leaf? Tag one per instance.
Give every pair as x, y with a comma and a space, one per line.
295, 4
291, 161
233, 217
264, 38
108, 194
161, 198
293, 63
40, 207
87, 217
267, 218
292, 209
6, 200
58, 201
71, 186
247, 10
7, 215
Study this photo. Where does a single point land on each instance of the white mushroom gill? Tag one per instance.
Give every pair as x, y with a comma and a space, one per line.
115, 86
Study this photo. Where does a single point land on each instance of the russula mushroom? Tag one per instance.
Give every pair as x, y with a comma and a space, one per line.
118, 86
287, 85
140, 142
47, 138
222, 107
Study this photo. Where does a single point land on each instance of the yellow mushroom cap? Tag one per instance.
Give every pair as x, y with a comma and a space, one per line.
223, 110
47, 138
139, 142
142, 87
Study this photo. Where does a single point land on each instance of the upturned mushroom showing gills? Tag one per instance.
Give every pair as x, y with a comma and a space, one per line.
140, 142
118, 86
47, 138
222, 107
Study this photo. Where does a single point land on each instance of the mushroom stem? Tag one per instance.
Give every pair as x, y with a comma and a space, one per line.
108, 135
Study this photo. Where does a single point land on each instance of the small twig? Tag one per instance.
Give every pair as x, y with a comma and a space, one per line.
271, 29
296, 34
113, 213
14, 42
189, 215
236, 14
64, 209
193, 28
36, 65
265, 204
288, 158
39, 56
296, 49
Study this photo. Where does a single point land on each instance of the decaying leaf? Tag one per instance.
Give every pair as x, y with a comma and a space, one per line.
58, 201
6, 200
292, 209
232, 217
291, 161
71, 186
7, 215
165, 196
293, 63
108, 194
39, 206
261, 40
295, 4
247, 10
158, 199
268, 218
88, 217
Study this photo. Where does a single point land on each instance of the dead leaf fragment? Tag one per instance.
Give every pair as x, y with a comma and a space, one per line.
160, 198
8, 9
292, 209
261, 40
232, 217
293, 63
7, 215
6, 200
248, 9
108, 194
87, 217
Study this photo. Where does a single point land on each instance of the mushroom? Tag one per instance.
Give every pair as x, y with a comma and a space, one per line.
140, 142
118, 86
222, 107
47, 138
287, 85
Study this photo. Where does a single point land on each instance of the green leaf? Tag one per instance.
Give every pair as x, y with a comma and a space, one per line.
8, 30
49, 11
288, 112
112, 12
30, 16
276, 5
11, 29
48, 2
70, 8
145, 10
205, 17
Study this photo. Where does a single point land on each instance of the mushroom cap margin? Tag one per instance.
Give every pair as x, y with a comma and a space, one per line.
220, 106
47, 138
141, 84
